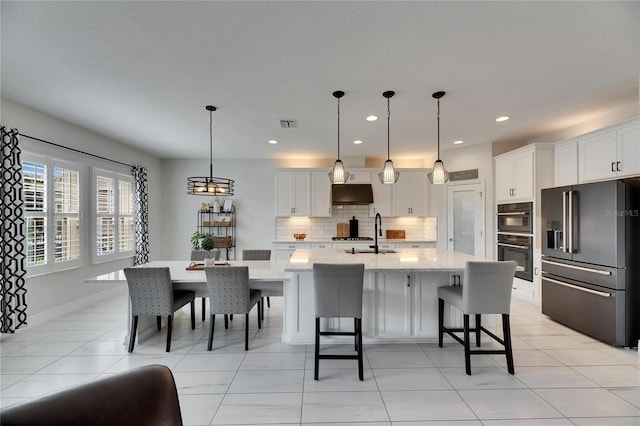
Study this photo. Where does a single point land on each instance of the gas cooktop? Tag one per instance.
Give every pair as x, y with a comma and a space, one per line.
352, 238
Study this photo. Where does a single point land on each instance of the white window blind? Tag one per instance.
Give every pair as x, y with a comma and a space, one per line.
114, 230
51, 190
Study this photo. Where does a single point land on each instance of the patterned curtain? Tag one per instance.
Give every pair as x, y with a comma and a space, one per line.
141, 215
13, 292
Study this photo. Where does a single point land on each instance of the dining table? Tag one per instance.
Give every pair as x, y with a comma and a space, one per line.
188, 275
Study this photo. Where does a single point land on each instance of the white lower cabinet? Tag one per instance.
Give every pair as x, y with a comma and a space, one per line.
397, 307
284, 251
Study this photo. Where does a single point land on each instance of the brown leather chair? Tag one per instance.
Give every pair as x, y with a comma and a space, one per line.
141, 397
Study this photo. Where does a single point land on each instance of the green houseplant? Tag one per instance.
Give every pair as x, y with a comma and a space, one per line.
202, 241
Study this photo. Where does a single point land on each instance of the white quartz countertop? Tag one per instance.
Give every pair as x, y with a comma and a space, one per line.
404, 260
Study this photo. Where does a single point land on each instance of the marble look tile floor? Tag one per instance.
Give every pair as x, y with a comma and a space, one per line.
562, 377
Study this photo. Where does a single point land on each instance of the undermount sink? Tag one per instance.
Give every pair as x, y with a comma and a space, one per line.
359, 251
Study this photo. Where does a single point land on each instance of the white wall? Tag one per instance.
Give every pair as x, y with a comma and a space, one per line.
48, 294
254, 202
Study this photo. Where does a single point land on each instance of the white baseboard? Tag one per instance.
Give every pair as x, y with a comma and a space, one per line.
58, 311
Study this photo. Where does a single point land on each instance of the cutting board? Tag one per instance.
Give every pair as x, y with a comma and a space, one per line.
395, 234
342, 230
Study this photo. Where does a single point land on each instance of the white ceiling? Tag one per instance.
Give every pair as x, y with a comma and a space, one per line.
142, 72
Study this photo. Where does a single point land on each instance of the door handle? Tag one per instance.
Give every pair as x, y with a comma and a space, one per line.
575, 287
564, 221
613, 166
618, 166
571, 221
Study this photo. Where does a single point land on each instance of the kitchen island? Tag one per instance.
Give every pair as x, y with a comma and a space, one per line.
400, 302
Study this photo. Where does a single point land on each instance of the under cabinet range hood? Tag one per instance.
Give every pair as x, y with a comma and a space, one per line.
354, 193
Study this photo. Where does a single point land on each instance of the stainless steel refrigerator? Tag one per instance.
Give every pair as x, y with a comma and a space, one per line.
591, 259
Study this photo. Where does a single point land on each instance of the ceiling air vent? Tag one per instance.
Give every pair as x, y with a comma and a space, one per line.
288, 124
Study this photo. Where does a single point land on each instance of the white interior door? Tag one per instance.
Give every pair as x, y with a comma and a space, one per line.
465, 218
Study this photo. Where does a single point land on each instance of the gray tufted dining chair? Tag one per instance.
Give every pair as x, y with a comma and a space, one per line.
229, 293
151, 293
204, 255
262, 254
486, 290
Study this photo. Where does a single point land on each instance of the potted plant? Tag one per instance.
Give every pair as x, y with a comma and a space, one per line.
208, 243
197, 239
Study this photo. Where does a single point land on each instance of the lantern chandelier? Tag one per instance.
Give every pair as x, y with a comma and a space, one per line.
210, 185
338, 174
438, 174
388, 175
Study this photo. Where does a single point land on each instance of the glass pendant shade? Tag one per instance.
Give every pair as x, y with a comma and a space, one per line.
388, 175
338, 174
210, 185
438, 174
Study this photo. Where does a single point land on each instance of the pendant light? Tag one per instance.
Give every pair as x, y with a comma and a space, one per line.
388, 175
210, 185
438, 174
338, 174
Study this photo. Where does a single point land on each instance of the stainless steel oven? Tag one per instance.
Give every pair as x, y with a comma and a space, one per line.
515, 217
519, 248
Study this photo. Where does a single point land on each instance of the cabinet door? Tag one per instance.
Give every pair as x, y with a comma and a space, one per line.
293, 191
504, 179
394, 305
409, 195
565, 164
320, 194
302, 193
629, 150
284, 196
523, 176
597, 157
381, 199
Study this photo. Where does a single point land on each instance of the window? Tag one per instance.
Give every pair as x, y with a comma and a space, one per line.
114, 226
51, 193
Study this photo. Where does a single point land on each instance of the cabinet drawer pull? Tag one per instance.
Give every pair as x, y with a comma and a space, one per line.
618, 166
613, 167
575, 287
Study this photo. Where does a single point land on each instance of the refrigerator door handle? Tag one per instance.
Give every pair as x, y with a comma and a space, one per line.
570, 197
575, 287
564, 221
579, 268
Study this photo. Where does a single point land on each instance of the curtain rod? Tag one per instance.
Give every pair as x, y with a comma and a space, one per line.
75, 150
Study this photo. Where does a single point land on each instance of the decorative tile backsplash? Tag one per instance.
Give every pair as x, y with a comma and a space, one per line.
323, 228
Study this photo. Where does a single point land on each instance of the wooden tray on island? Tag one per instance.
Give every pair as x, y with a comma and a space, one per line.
200, 266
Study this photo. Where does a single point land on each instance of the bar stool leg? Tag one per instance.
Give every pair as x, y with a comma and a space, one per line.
317, 350
506, 329
359, 336
478, 324
467, 349
440, 321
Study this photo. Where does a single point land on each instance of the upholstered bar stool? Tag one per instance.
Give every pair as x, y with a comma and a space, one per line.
486, 290
338, 294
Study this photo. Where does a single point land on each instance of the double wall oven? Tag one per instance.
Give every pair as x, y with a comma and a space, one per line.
515, 236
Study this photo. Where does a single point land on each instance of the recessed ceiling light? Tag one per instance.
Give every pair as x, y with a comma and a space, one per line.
357, 142
458, 142
273, 141
503, 118
372, 118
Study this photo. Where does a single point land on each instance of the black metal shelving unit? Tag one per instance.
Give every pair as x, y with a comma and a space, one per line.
222, 225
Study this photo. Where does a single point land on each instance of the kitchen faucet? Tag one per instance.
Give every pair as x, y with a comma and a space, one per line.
377, 220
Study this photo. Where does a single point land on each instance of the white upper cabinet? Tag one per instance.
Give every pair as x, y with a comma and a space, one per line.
320, 194
515, 175
565, 164
409, 194
359, 176
293, 193
610, 154
381, 198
